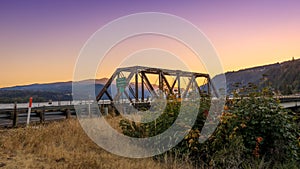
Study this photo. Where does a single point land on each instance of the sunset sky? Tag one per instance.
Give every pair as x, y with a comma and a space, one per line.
40, 40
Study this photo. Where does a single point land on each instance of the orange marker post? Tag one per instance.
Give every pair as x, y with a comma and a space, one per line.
29, 111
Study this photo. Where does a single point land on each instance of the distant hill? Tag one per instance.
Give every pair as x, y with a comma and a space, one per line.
65, 87
57, 87
283, 77
45, 92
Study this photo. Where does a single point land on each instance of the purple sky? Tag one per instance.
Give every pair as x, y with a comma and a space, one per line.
41, 39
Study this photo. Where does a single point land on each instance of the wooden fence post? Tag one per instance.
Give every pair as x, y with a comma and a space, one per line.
15, 115
68, 114
42, 115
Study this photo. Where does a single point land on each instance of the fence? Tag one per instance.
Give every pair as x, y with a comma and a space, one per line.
17, 116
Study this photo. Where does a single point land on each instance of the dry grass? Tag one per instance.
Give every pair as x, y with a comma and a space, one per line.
65, 145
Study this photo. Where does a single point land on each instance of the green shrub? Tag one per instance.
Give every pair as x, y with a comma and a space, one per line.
253, 129
267, 129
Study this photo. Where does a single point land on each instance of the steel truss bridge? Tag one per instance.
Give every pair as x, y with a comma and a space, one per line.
134, 83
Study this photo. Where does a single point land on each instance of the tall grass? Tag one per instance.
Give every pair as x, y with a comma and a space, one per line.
65, 145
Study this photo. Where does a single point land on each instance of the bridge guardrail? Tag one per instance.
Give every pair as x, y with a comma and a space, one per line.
16, 116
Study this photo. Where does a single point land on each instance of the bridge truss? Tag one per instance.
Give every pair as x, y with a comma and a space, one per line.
135, 85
